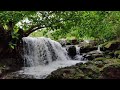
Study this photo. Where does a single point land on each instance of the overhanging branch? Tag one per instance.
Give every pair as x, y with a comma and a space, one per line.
32, 29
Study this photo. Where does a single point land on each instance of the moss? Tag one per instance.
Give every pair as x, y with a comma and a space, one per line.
108, 44
104, 44
117, 54
90, 70
113, 45
100, 59
108, 60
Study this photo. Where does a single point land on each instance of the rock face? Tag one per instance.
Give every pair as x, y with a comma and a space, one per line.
71, 51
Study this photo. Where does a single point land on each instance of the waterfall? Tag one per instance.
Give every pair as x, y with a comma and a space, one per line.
43, 55
78, 56
99, 49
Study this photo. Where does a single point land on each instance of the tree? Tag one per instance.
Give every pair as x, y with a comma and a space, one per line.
14, 25
102, 25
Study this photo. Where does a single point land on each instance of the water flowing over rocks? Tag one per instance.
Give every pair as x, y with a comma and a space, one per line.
42, 56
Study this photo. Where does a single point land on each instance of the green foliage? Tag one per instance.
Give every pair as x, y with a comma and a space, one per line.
103, 25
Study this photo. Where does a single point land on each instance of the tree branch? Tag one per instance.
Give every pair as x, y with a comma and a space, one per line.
32, 29
40, 26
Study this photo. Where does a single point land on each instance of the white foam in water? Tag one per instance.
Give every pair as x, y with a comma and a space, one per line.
41, 72
43, 55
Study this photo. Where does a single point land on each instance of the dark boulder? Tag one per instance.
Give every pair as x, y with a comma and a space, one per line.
71, 51
111, 72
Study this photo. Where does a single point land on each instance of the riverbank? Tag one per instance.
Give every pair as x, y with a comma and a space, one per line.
102, 65
99, 68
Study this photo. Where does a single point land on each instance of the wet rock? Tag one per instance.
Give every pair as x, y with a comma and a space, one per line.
71, 51
88, 57
68, 43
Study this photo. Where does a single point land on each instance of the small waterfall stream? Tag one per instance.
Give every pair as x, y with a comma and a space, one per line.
43, 55
99, 49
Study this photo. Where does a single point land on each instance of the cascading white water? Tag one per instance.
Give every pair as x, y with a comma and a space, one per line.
78, 56
99, 49
41, 51
43, 55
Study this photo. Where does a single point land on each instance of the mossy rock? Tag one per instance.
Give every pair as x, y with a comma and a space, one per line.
66, 73
90, 72
99, 64
86, 47
117, 54
100, 59
111, 72
113, 45
99, 68
104, 44
111, 54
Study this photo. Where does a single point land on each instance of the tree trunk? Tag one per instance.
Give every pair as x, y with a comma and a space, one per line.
8, 53
6, 39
